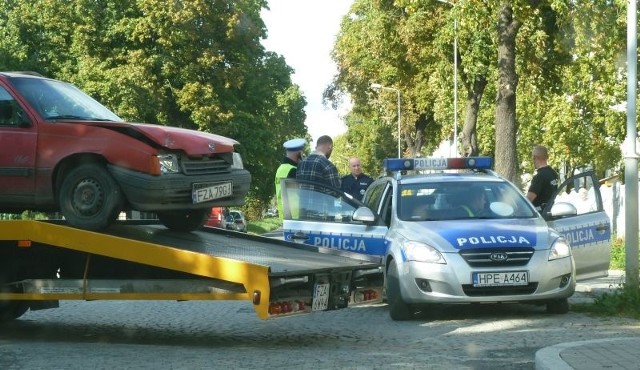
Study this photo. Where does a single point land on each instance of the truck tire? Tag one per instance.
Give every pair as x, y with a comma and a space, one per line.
11, 310
184, 220
399, 310
89, 197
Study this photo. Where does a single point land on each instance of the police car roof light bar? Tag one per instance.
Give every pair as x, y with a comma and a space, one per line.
437, 163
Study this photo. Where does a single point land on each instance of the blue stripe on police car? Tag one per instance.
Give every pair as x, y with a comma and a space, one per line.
346, 242
470, 236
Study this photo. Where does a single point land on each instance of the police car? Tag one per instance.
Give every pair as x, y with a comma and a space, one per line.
450, 230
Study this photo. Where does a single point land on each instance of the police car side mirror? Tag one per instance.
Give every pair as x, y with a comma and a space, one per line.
562, 209
364, 214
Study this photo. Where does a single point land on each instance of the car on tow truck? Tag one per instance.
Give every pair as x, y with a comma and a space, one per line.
435, 248
62, 150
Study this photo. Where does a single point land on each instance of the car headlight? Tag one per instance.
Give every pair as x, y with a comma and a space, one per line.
168, 163
420, 252
237, 161
559, 249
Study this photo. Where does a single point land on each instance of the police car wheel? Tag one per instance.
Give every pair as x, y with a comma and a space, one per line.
399, 310
558, 306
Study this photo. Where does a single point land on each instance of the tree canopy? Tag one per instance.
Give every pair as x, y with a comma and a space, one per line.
529, 72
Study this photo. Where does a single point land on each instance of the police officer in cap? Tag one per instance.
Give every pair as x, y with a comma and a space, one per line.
287, 169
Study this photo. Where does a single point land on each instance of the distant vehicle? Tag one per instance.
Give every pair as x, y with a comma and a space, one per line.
62, 150
438, 245
272, 212
217, 217
236, 221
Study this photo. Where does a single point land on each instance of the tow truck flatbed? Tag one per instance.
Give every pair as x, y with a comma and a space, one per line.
43, 262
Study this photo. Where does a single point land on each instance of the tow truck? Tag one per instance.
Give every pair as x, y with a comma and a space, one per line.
44, 262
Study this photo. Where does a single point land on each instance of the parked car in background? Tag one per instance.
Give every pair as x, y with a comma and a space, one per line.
236, 221
272, 212
64, 151
217, 217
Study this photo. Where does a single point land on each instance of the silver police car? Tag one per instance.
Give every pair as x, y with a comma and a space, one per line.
453, 231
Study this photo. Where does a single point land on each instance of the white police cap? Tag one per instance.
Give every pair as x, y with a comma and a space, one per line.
294, 145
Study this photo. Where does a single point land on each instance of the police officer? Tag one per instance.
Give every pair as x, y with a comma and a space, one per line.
287, 169
357, 182
544, 181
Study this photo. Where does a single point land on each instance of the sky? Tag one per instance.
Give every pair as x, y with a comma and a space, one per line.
304, 31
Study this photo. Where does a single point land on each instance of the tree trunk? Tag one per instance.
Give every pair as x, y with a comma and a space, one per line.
506, 159
469, 136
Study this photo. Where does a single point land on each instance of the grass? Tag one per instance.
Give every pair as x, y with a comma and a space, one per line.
263, 226
617, 254
623, 302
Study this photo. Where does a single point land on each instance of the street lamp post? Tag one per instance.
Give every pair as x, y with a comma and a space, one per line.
378, 86
455, 77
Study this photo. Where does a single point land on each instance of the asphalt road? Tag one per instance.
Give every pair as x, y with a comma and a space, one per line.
218, 334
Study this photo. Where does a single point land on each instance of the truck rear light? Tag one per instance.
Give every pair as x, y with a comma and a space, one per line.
256, 297
24, 243
366, 295
287, 307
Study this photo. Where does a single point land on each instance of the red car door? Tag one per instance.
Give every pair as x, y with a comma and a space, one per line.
18, 138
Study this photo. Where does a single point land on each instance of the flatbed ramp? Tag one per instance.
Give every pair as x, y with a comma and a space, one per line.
42, 262
282, 258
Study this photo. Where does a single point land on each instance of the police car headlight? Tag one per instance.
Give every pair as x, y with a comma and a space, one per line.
416, 251
560, 249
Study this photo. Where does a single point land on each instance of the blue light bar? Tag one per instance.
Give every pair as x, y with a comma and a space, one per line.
436, 163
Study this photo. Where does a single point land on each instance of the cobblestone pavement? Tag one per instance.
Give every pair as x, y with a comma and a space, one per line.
208, 335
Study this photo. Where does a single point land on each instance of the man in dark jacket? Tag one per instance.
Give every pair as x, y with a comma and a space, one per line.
317, 167
357, 182
544, 181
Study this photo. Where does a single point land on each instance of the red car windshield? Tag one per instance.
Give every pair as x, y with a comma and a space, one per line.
59, 100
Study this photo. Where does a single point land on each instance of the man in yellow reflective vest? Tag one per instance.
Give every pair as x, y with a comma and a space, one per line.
287, 169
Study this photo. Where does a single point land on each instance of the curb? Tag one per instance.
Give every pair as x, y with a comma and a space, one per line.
548, 358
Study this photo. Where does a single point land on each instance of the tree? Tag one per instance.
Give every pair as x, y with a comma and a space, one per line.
533, 71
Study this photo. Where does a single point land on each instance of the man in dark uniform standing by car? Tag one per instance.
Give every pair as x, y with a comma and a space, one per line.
357, 182
545, 181
287, 169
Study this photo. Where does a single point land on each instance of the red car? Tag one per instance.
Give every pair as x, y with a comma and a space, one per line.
62, 150
217, 218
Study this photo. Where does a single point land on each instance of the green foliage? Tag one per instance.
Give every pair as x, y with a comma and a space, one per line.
623, 302
263, 226
617, 254
367, 138
9, 216
569, 61
26, 215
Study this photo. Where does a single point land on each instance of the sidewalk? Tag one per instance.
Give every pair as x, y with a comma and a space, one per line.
610, 353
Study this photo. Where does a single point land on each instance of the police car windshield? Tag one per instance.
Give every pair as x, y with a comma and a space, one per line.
453, 201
